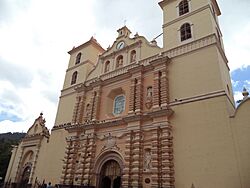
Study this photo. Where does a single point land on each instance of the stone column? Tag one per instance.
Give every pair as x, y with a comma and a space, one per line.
96, 103
156, 90
126, 178
139, 95
80, 113
34, 163
90, 159
76, 109
83, 152
164, 89
132, 96
167, 159
137, 160
65, 172
18, 169
155, 159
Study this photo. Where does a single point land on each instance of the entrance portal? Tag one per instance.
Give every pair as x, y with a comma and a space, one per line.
110, 175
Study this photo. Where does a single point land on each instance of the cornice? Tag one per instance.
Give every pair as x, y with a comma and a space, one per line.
186, 15
159, 61
131, 68
197, 98
161, 112
91, 41
191, 46
163, 3
217, 8
37, 137
79, 64
117, 52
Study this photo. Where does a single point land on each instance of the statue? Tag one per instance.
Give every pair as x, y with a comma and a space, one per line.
147, 160
149, 98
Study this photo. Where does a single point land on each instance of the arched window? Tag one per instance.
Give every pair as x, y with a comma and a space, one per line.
74, 77
107, 66
119, 104
78, 58
185, 31
133, 56
119, 61
183, 7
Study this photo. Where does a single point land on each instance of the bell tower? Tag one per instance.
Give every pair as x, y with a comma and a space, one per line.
193, 40
189, 20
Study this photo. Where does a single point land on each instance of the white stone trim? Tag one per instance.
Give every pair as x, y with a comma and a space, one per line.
192, 33
177, 8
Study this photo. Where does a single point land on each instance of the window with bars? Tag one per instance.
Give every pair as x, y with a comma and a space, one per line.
183, 7
185, 32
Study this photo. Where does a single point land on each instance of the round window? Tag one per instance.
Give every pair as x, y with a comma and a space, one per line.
147, 180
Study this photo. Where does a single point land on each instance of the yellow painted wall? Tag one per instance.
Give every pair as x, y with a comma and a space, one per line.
65, 109
203, 145
240, 124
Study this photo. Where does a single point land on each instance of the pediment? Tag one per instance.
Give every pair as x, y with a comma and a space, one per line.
38, 128
124, 46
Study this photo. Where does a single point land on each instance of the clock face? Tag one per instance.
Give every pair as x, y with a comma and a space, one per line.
120, 45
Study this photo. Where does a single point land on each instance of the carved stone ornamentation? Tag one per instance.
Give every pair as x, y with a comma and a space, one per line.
149, 98
147, 160
110, 143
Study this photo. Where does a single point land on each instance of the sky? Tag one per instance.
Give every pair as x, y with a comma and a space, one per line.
36, 35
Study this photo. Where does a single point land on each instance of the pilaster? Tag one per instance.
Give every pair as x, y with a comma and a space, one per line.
132, 96
156, 90
128, 161
80, 113
76, 109
96, 103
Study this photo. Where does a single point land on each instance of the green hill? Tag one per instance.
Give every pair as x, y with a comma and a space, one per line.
6, 142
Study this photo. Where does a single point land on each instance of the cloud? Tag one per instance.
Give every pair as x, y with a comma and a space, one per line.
18, 75
12, 126
235, 27
138, 21
6, 116
10, 9
238, 96
36, 35
240, 79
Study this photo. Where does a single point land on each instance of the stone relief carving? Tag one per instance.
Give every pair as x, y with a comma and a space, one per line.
147, 160
88, 111
149, 98
110, 142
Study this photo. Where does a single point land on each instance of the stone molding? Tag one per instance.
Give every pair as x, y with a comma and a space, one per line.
187, 15
79, 64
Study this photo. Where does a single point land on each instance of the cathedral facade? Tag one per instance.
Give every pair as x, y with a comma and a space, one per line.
137, 115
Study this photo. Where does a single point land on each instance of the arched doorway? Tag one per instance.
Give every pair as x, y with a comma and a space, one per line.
110, 175
25, 177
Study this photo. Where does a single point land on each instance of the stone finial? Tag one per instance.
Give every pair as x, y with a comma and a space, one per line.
41, 114
245, 93
136, 35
